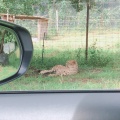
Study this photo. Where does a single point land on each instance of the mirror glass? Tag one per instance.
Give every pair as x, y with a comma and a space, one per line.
9, 53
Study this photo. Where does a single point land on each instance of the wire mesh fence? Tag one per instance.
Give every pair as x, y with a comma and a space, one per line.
31, 25
104, 18
67, 29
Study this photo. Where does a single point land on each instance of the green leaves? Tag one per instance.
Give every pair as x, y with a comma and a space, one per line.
79, 4
17, 6
29, 7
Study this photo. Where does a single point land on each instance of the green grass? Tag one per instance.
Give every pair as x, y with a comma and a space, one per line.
98, 73
7, 71
101, 71
11, 67
101, 78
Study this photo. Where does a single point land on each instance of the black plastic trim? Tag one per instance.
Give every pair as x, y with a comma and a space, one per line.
59, 91
26, 47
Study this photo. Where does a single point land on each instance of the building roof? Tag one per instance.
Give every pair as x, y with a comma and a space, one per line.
25, 17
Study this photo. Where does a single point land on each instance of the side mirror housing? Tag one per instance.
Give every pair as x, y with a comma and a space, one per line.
16, 51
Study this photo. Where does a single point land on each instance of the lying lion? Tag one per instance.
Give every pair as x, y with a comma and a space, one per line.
70, 68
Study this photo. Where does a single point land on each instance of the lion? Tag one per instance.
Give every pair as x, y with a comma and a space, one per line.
70, 68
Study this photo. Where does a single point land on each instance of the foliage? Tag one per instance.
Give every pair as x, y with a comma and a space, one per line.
21, 6
6, 36
80, 5
9, 37
35, 6
98, 57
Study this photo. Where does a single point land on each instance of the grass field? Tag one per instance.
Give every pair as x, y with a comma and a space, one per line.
99, 78
11, 66
101, 71
7, 71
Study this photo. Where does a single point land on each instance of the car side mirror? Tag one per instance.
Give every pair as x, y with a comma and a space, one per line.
15, 51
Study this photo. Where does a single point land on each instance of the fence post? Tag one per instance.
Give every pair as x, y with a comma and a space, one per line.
7, 14
87, 28
43, 47
39, 29
57, 20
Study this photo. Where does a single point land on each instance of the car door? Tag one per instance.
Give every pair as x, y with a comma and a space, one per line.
66, 105
38, 81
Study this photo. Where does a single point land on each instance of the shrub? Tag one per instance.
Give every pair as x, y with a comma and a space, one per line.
98, 57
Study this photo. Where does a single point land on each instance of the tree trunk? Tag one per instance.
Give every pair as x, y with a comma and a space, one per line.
2, 41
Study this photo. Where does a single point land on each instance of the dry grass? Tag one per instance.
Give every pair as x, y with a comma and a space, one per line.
78, 40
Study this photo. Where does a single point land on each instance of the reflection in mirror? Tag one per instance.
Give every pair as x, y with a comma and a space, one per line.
9, 53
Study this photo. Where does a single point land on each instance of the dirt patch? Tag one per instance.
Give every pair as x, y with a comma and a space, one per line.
97, 70
91, 80
32, 72
84, 80
71, 80
93, 70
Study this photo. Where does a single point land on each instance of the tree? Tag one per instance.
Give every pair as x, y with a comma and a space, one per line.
18, 6
78, 4
2, 34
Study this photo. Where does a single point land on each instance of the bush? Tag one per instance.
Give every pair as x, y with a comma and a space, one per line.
98, 57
